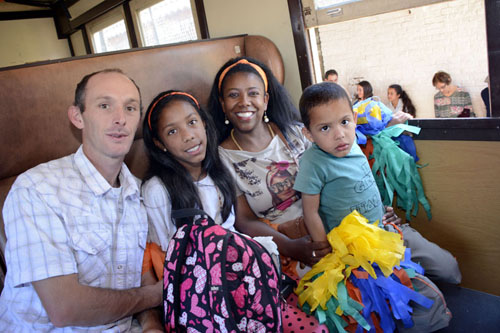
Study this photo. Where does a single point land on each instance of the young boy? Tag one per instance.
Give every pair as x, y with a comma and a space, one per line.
334, 176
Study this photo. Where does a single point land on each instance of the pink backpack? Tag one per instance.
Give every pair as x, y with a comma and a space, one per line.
218, 281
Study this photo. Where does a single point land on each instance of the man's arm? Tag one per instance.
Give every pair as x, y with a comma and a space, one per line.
69, 303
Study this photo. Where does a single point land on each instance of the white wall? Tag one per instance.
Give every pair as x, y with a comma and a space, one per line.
270, 19
407, 47
24, 41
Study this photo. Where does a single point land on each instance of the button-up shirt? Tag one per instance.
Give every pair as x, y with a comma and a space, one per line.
61, 218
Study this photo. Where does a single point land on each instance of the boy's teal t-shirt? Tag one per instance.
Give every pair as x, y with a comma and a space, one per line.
344, 184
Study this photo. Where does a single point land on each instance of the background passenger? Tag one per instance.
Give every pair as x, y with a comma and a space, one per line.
331, 75
399, 100
450, 101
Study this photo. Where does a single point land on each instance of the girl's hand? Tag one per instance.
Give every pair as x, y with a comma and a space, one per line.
306, 251
390, 216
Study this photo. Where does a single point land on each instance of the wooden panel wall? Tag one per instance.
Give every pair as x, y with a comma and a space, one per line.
462, 183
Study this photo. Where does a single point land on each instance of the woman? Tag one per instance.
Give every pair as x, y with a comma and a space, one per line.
399, 100
450, 101
261, 141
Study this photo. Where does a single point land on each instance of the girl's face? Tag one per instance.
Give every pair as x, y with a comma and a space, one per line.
392, 95
182, 133
244, 100
360, 91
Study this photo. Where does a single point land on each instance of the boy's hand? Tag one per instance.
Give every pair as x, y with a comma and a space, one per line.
308, 252
390, 216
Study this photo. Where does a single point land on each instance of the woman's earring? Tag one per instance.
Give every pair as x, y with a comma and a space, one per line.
266, 119
226, 121
164, 150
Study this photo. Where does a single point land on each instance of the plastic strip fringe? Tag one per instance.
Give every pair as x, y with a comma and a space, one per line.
362, 263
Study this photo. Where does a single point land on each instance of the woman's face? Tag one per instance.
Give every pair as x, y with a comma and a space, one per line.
444, 88
182, 133
392, 95
360, 92
244, 100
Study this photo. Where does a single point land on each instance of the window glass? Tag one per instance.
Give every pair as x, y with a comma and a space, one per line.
112, 38
168, 21
320, 4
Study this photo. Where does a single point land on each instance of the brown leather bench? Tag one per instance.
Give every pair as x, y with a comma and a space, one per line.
34, 127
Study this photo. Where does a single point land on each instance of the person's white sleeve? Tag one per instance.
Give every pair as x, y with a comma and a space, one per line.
159, 210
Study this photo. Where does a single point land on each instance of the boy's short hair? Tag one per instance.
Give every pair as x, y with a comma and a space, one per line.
319, 94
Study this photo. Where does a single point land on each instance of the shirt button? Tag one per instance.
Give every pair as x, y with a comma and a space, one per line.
120, 266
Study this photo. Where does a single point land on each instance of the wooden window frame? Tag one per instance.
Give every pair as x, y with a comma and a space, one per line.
464, 129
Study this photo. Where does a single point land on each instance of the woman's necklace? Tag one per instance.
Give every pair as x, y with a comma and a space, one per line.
236, 142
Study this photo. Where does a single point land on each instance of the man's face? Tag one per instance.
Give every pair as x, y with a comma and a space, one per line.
332, 78
111, 116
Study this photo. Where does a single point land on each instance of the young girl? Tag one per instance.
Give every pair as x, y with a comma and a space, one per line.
399, 100
185, 171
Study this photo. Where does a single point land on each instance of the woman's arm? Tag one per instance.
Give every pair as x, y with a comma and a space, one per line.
300, 249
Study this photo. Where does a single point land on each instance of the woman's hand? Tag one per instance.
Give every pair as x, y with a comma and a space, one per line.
390, 216
306, 251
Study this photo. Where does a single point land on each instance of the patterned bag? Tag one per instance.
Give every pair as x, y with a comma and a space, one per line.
216, 280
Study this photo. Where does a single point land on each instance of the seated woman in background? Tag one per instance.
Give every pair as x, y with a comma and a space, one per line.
399, 100
451, 101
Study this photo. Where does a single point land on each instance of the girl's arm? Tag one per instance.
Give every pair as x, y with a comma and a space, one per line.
310, 204
300, 249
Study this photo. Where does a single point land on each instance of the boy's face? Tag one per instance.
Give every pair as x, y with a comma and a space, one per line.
332, 127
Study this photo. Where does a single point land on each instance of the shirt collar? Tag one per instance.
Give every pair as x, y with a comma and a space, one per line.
97, 183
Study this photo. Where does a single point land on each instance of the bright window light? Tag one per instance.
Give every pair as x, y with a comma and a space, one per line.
169, 21
112, 38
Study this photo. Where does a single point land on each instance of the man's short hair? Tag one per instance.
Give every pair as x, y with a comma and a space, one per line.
330, 72
82, 86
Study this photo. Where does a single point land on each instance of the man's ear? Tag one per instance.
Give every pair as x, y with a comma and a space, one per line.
75, 116
307, 134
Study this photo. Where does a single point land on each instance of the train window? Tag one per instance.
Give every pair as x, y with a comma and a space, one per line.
108, 32
405, 43
164, 22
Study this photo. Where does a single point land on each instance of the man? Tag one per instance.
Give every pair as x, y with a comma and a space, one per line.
331, 75
75, 226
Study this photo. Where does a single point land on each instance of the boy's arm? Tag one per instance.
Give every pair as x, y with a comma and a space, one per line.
310, 204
